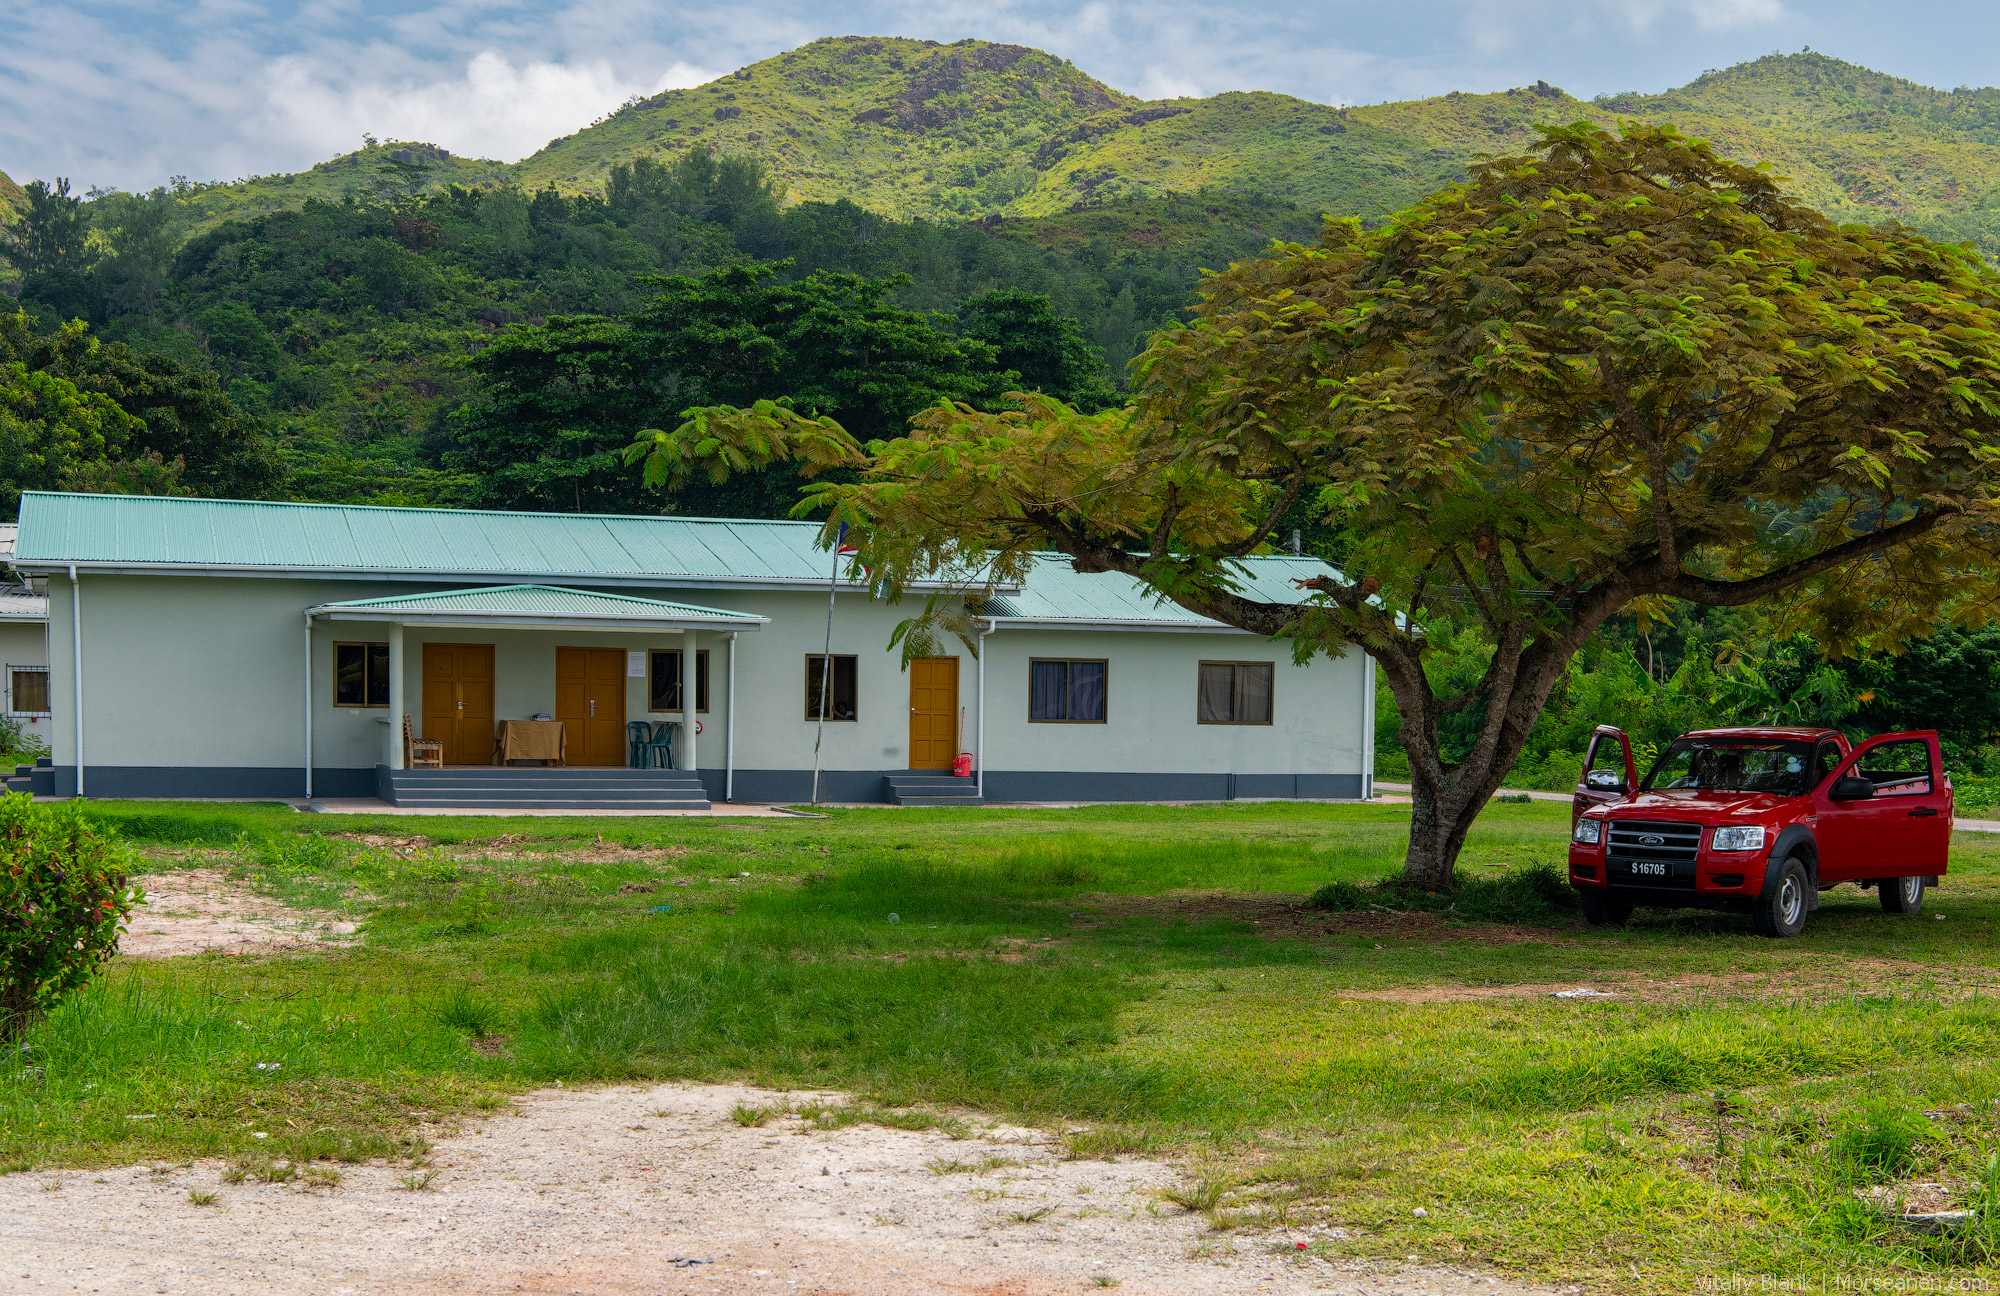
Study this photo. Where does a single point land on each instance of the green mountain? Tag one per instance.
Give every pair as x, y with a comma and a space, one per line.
949, 170
11, 198
909, 128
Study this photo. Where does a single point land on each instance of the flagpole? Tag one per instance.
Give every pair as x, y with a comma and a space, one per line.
826, 662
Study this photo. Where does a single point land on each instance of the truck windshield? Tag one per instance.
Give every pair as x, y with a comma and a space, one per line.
1734, 765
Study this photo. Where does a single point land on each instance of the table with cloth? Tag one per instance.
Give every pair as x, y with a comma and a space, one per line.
530, 740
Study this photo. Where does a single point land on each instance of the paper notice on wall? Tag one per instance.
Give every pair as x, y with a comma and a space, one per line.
635, 665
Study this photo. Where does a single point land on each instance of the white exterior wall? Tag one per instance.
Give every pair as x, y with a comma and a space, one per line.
1149, 709
185, 674
24, 643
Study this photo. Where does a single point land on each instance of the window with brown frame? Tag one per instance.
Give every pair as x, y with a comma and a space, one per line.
840, 696
1234, 693
28, 690
665, 691
361, 674
1066, 692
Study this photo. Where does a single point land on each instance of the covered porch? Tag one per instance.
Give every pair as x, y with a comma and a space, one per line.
562, 680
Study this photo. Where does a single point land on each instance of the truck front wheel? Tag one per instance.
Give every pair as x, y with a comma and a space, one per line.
1902, 895
1781, 910
1600, 910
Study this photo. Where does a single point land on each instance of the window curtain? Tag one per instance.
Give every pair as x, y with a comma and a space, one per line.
1217, 694
1086, 691
1253, 694
1048, 690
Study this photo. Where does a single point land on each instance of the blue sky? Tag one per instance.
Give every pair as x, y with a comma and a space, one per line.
126, 93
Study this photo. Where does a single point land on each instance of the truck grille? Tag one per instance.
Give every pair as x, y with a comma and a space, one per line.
1652, 853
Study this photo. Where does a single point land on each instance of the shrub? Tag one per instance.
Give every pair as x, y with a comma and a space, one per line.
64, 895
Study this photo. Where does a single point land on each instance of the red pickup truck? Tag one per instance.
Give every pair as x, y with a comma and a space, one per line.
1759, 821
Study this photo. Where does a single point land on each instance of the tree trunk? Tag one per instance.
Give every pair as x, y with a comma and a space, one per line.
1445, 798
1439, 822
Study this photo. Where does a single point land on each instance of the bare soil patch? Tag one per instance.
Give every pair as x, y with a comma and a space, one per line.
199, 911
618, 1190
1816, 980
1290, 917
519, 846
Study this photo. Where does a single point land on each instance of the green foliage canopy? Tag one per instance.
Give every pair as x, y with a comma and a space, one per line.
1617, 370
559, 402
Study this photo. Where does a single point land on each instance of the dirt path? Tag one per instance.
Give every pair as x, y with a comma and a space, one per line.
614, 1190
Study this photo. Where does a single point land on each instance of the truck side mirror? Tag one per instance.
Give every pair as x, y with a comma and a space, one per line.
1604, 780
1851, 788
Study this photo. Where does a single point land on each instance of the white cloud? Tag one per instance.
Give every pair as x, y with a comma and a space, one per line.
1707, 15
1727, 15
496, 109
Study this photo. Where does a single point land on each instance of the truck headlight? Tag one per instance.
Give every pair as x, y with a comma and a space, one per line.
1737, 839
1587, 831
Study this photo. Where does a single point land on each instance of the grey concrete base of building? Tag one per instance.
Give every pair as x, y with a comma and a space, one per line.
795, 786
789, 787
203, 782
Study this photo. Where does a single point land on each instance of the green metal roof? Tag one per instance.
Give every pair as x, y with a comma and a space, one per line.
1055, 593
533, 604
222, 537
156, 533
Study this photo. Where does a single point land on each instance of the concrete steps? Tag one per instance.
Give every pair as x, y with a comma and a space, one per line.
923, 787
38, 779
552, 788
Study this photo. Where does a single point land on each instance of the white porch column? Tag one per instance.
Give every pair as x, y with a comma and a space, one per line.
396, 702
729, 729
690, 674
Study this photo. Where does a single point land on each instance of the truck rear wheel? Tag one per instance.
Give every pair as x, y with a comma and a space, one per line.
1781, 910
1601, 910
1902, 895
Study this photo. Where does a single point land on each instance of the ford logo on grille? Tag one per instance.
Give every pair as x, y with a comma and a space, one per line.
1650, 840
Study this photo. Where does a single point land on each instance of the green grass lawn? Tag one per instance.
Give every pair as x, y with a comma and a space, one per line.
1131, 971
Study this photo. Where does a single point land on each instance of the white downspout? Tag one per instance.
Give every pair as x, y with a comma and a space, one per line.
309, 704
979, 733
729, 726
76, 670
1367, 727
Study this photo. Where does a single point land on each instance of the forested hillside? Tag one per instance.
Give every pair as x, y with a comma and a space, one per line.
909, 128
350, 326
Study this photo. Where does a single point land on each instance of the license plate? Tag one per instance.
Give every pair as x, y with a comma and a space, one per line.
1647, 868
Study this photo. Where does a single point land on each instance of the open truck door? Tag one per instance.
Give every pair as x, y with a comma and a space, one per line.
1886, 813
1608, 772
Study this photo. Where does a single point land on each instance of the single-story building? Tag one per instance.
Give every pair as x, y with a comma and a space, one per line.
24, 649
223, 648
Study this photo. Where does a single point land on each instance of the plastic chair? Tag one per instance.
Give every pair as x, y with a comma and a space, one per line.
663, 743
637, 735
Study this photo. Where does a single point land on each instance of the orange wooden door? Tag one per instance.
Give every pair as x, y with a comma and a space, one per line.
590, 701
933, 712
458, 701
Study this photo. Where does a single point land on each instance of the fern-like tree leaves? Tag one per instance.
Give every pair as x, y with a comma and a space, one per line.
1615, 372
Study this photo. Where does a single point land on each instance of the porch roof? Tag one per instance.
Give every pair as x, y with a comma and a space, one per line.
537, 605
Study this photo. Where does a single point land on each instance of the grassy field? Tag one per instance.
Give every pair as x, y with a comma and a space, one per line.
1139, 978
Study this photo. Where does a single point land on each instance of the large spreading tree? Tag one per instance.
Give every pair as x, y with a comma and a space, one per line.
1614, 372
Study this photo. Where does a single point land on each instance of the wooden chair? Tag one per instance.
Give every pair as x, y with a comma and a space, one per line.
420, 752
